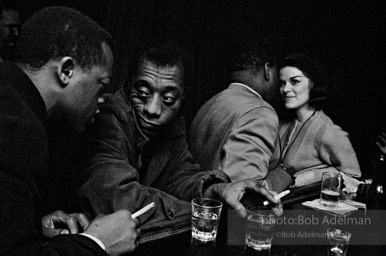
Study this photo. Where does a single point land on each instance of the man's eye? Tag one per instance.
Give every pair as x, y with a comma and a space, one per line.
142, 89
142, 93
169, 100
106, 87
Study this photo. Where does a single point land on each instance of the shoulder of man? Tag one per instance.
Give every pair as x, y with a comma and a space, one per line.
116, 104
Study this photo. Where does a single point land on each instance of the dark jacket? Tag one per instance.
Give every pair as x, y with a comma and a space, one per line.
24, 172
125, 170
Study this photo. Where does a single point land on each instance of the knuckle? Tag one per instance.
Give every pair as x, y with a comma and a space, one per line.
73, 215
124, 212
58, 212
132, 224
71, 219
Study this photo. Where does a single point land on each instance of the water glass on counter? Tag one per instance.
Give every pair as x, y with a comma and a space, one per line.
260, 227
331, 189
205, 219
338, 242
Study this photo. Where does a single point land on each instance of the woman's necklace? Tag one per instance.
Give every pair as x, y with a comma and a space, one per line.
287, 144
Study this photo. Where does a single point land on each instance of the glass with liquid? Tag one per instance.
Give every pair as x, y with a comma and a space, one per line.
338, 242
205, 219
260, 228
331, 189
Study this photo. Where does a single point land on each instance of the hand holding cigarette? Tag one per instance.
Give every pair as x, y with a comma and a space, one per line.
143, 210
278, 196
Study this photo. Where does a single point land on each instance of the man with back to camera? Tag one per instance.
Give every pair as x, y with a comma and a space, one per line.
9, 31
237, 129
63, 62
138, 150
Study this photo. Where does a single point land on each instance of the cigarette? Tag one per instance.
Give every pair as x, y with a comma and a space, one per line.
143, 210
278, 196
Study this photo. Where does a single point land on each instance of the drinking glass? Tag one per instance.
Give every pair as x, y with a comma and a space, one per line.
338, 242
330, 189
205, 219
260, 227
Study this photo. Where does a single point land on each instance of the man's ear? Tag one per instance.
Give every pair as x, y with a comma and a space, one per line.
267, 70
65, 70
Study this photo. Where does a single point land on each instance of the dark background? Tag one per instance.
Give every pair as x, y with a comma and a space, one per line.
347, 36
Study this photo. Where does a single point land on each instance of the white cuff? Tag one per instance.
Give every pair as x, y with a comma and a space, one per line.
96, 240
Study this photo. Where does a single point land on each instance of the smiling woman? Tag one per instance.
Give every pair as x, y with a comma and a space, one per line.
295, 89
310, 143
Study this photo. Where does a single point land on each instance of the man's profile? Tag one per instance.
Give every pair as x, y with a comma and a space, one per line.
9, 31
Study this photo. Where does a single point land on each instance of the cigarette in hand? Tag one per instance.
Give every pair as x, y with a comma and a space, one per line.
143, 210
278, 196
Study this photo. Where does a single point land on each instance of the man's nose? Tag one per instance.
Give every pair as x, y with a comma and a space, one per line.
153, 106
15, 31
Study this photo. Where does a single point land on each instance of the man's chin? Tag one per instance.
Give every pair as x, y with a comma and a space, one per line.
8, 44
150, 133
79, 125
77, 128
67, 123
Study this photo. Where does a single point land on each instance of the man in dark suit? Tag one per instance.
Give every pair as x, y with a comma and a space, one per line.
63, 62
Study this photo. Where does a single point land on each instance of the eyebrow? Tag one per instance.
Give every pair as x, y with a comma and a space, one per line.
296, 76
173, 89
293, 77
168, 88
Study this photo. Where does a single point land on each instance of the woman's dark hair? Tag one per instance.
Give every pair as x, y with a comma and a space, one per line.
313, 71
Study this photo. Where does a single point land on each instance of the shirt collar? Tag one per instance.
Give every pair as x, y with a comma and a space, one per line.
247, 87
140, 139
26, 89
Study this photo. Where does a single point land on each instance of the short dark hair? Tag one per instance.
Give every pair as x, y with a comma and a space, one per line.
58, 31
7, 5
251, 48
165, 52
312, 69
